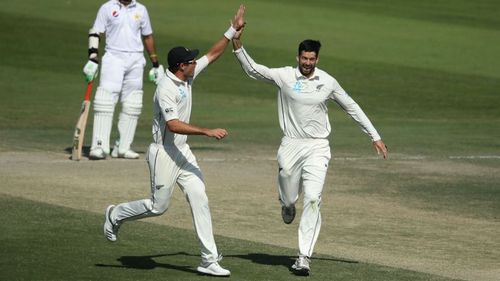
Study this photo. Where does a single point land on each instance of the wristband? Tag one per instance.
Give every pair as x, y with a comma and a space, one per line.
93, 52
229, 34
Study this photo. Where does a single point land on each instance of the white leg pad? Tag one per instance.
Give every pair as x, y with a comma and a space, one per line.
104, 106
127, 123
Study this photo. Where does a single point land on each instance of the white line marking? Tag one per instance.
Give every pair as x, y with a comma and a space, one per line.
475, 157
416, 157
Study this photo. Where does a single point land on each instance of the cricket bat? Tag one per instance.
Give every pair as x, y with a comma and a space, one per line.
78, 136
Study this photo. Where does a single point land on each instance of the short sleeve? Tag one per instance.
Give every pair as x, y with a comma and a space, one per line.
146, 28
201, 64
100, 21
167, 103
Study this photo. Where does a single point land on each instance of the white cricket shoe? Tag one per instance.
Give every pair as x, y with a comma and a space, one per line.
97, 154
213, 268
288, 213
110, 229
301, 266
129, 154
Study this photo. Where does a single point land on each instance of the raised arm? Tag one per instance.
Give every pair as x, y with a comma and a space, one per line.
251, 68
237, 39
237, 24
254, 70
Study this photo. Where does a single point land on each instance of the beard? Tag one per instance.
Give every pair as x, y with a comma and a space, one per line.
306, 70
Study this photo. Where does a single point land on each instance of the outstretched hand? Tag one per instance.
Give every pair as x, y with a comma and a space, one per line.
217, 133
238, 21
381, 148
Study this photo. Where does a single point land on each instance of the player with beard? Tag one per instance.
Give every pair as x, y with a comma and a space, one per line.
304, 152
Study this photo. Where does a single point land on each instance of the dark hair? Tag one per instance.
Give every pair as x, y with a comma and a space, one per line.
309, 45
174, 69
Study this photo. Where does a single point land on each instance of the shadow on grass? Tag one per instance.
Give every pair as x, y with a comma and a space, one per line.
148, 263
286, 261
280, 260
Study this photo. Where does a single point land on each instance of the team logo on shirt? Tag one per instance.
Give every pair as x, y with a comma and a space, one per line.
318, 88
114, 13
137, 17
297, 87
182, 93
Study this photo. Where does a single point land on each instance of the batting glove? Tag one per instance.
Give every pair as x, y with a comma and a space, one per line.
90, 70
156, 73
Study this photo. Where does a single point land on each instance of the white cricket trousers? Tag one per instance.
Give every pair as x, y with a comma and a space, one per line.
302, 168
121, 79
121, 72
168, 167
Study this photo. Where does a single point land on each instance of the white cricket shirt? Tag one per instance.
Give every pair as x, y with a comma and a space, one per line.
302, 109
173, 100
124, 25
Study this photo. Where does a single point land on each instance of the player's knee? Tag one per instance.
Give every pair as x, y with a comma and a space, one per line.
199, 197
104, 101
159, 207
132, 105
285, 172
159, 210
312, 199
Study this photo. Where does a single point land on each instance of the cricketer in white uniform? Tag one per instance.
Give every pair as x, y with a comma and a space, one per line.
304, 152
169, 157
126, 25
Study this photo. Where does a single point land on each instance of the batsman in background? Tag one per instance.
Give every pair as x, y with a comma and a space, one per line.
126, 25
304, 153
169, 157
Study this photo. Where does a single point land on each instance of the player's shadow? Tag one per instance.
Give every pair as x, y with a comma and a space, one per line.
148, 263
265, 259
281, 260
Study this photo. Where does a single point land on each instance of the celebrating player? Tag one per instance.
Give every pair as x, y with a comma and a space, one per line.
304, 152
169, 157
124, 22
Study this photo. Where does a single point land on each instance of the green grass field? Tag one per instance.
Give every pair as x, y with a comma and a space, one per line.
65, 250
425, 72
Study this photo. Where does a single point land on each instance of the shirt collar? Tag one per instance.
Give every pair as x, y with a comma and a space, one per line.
173, 77
299, 75
132, 4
